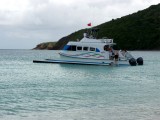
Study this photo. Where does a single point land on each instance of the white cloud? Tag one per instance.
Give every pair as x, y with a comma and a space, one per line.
13, 5
35, 21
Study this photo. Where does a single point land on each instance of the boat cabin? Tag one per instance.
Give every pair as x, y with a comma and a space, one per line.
89, 46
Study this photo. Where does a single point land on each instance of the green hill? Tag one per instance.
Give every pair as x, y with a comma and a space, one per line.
45, 46
140, 31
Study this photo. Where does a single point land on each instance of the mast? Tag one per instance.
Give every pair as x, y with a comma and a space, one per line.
92, 33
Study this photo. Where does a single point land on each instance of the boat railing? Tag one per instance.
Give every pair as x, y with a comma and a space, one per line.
105, 40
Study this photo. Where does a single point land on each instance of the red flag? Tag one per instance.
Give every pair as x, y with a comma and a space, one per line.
89, 24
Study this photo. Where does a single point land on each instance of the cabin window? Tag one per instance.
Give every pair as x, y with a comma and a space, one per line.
92, 49
73, 48
97, 50
106, 47
79, 48
85, 48
66, 47
70, 48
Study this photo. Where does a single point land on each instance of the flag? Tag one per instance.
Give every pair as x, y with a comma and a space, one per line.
89, 24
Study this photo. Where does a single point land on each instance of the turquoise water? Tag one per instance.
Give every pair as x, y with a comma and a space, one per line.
36, 91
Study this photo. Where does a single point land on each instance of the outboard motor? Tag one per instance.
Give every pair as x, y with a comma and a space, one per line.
132, 62
140, 61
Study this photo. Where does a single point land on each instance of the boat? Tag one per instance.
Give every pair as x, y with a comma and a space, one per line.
92, 51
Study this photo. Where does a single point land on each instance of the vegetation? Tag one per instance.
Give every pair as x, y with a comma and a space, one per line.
45, 46
140, 31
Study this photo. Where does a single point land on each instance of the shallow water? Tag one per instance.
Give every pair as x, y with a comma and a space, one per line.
77, 92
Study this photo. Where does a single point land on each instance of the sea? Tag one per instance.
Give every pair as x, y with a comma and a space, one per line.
41, 91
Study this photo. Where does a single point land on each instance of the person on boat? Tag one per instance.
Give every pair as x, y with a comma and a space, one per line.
116, 57
121, 54
127, 54
111, 53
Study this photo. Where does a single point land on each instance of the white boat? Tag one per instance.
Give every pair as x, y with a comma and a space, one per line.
92, 51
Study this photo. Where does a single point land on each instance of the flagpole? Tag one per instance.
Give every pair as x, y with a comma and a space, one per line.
89, 25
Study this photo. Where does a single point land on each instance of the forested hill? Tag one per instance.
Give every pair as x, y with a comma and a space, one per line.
137, 31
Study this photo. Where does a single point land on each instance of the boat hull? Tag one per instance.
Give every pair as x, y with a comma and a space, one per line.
82, 61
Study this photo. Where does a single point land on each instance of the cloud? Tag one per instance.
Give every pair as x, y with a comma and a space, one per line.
46, 20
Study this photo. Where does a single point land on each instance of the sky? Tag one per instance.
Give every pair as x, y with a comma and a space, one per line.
26, 23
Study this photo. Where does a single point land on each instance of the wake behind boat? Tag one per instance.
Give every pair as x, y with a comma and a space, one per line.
92, 51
